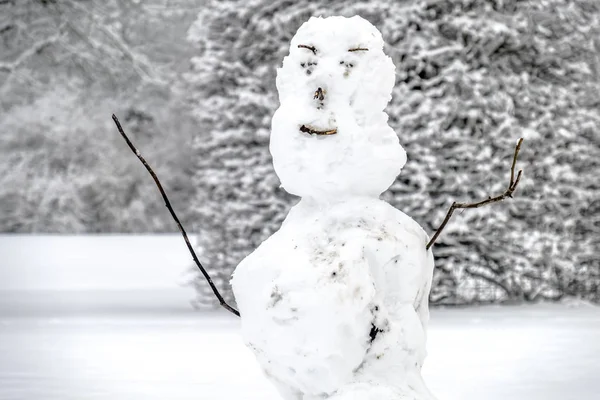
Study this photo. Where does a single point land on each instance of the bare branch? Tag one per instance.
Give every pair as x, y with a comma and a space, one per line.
222, 301
512, 186
512, 167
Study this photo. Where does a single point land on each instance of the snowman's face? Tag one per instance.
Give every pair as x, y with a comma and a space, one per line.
330, 135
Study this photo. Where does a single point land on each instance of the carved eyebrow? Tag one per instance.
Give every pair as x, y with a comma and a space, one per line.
311, 48
359, 49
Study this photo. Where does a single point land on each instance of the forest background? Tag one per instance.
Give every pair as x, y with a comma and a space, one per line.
193, 83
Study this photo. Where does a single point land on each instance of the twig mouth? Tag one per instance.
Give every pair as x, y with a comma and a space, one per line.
312, 131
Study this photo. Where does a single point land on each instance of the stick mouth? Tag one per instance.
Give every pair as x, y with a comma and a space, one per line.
313, 131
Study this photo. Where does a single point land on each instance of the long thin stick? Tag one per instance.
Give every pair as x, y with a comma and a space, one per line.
512, 186
222, 301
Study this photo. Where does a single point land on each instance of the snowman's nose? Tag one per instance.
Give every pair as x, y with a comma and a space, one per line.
319, 94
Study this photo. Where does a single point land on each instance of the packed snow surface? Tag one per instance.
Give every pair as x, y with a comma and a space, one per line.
541, 352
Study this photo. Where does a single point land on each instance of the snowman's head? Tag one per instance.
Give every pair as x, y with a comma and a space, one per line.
330, 136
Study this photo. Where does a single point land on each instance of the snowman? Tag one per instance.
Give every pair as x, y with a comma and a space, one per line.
334, 305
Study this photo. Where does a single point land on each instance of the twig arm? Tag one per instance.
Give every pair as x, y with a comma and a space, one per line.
439, 230
512, 186
222, 301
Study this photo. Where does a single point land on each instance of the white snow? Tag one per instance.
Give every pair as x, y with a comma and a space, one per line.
95, 273
543, 352
93, 262
335, 303
310, 294
144, 345
364, 156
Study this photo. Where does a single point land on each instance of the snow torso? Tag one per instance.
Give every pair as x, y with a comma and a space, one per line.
314, 294
336, 302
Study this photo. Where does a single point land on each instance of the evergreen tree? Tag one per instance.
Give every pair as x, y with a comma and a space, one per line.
477, 75
472, 77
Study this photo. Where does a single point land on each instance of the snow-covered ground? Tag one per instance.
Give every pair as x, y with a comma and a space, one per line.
59, 274
106, 318
544, 352
93, 262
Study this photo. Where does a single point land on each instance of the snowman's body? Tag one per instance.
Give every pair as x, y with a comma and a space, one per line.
334, 304
339, 293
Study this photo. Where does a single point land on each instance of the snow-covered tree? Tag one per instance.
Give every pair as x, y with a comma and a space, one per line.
65, 66
472, 77
477, 75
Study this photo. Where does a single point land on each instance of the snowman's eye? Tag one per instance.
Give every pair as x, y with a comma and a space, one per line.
358, 49
311, 48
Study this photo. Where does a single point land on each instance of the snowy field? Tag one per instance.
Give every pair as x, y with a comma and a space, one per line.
118, 326
530, 353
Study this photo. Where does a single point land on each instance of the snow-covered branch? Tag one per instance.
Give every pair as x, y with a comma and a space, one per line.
35, 49
142, 67
6, 28
486, 276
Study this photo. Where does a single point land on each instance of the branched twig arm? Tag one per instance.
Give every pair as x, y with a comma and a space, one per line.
512, 186
222, 301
